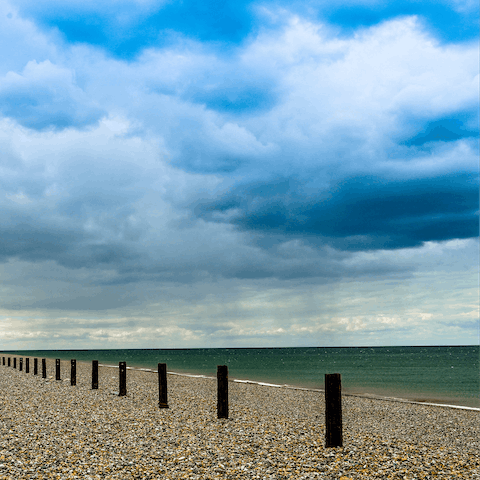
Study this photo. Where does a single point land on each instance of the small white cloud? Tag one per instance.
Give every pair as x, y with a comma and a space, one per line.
16, 335
388, 320
466, 6
19, 198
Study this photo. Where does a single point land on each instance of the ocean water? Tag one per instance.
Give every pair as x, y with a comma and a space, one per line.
444, 374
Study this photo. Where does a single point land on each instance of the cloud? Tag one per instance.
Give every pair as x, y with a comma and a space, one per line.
107, 196
360, 213
330, 198
270, 180
45, 95
22, 41
388, 310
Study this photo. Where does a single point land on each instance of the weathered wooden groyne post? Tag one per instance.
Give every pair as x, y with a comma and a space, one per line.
14, 362
44, 368
222, 391
333, 410
20, 366
27, 365
57, 369
94, 374
35, 366
162, 385
73, 372
122, 371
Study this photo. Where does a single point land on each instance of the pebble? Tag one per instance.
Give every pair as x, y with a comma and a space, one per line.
50, 429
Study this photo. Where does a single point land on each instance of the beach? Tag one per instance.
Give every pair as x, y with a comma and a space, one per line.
50, 429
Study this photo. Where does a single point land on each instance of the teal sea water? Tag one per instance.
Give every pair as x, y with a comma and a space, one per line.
447, 374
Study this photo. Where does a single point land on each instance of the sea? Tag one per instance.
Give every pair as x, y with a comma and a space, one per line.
435, 374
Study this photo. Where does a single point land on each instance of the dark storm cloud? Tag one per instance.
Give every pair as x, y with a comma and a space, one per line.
361, 213
37, 241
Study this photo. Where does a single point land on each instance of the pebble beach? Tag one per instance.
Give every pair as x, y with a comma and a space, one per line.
52, 430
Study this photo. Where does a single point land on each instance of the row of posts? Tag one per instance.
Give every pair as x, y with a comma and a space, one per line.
333, 391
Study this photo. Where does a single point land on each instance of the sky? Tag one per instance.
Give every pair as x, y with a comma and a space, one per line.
182, 174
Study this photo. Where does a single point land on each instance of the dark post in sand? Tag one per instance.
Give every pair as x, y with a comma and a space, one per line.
162, 385
57, 369
222, 391
35, 366
44, 368
8, 361
333, 410
122, 371
27, 365
3, 360
21, 364
14, 362
94, 374
73, 372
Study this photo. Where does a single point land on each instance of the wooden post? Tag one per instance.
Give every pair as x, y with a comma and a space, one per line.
20, 368
27, 365
14, 362
8, 361
94, 374
44, 368
35, 366
3, 360
57, 369
333, 410
122, 387
222, 391
73, 372
162, 385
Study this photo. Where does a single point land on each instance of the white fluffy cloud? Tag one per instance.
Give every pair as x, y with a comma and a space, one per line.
45, 95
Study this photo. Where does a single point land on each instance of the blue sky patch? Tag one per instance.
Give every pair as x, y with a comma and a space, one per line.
441, 18
125, 29
447, 130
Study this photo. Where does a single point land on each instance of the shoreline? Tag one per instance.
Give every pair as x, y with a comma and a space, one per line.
306, 389
50, 429
373, 396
